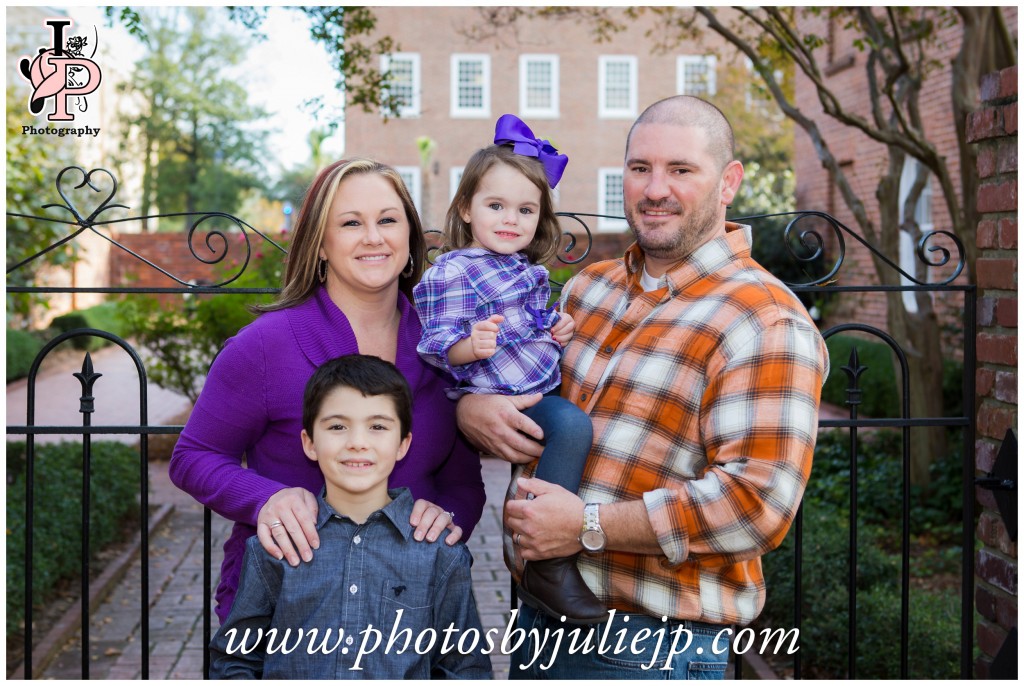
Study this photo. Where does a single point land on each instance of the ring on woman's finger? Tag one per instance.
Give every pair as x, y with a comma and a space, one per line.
276, 523
519, 539
451, 516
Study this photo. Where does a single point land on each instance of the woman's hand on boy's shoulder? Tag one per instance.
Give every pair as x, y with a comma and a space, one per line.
431, 520
286, 525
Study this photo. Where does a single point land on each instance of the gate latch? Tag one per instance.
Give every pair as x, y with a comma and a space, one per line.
1002, 480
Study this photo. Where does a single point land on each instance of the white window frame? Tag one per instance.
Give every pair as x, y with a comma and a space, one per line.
550, 112
412, 109
484, 110
908, 248
709, 61
414, 183
454, 177
602, 200
603, 110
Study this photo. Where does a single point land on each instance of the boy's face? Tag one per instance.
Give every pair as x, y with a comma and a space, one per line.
357, 441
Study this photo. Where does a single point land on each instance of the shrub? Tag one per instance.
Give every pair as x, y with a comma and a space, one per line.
57, 524
934, 618
22, 348
880, 396
935, 526
181, 339
105, 317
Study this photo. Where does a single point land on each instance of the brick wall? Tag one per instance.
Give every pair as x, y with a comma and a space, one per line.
170, 252
993, 129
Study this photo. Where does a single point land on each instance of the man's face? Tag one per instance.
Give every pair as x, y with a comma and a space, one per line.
675, 193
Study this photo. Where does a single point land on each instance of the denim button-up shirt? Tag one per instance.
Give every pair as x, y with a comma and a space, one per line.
365, 587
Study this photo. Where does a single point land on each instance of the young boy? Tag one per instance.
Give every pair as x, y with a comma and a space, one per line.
373, 602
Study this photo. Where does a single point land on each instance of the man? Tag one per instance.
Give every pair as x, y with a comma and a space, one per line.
702, 375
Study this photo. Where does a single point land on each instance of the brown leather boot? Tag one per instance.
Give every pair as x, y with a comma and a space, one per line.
556, 587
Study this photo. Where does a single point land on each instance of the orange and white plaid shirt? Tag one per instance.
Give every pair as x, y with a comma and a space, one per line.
708, 414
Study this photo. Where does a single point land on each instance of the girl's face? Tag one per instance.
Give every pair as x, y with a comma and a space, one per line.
504, 212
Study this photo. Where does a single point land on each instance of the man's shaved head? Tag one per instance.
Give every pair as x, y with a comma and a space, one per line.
686, 110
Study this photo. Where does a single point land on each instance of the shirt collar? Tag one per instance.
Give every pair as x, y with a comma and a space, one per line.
707, 259
398, 511
501, 258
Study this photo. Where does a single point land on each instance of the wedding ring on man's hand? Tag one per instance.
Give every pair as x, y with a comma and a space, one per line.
276, 523
519, 538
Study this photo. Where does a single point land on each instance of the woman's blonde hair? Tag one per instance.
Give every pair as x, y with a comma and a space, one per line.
300, 275
457, 231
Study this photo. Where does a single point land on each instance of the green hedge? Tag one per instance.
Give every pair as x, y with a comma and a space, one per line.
57, 525
934, 626
22, 348
105, 317
935, 526
879, 396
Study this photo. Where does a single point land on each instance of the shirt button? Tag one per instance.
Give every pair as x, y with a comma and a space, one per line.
357, 540
348, 640
353, 589
608, 349
583, 396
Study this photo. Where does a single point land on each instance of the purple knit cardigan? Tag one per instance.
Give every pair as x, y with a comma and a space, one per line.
251, 406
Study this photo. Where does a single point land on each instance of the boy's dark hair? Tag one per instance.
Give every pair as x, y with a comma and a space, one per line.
365, 373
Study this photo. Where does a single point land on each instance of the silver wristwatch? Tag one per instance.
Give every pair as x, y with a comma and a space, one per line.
592, 536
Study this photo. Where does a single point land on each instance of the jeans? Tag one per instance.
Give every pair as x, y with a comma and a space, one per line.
628, 646
567, 438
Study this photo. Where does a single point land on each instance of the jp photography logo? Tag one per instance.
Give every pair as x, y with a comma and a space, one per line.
64, 75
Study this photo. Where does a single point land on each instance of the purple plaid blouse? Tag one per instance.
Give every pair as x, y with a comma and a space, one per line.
467, 286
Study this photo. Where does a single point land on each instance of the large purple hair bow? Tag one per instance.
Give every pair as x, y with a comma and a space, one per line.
511, 129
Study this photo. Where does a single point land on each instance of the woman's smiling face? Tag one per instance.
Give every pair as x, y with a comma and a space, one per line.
366, 240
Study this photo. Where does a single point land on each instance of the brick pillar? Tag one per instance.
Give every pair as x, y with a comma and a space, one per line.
993, 130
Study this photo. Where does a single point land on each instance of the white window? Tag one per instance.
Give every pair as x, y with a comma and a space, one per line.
454, 177
538, 85
471, 86
695, 75
413, 181
909, 260
616, 96
609, 199
403, 69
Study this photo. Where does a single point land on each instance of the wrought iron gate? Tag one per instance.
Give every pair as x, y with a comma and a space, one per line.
811, 239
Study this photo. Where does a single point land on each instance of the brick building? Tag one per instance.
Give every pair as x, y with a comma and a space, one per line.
864, 161
581, 95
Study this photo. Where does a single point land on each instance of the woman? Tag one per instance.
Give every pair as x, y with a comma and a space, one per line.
357, 251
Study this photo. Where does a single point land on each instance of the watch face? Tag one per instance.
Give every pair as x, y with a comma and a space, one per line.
592, 540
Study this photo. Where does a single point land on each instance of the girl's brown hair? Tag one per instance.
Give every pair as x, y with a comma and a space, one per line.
457, 232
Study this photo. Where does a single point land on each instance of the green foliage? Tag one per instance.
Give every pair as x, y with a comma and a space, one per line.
934, 511
57, 524
934, 617
22, 348
32, 169
879, 394
194, 115
105, 317
934, 535
181, 340
879, 397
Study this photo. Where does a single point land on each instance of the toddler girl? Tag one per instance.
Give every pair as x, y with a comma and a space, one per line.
485, 319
